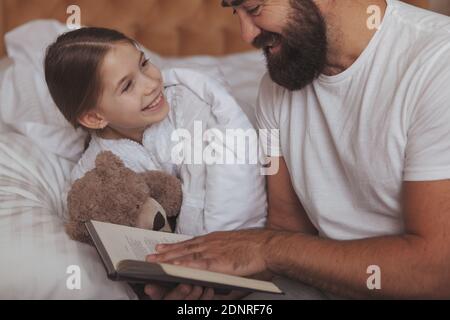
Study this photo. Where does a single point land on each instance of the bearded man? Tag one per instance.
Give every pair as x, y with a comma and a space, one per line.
363, 187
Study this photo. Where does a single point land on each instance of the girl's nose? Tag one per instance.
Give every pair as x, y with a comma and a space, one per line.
150, 84
249, 30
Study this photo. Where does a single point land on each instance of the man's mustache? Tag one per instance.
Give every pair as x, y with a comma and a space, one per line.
266, 39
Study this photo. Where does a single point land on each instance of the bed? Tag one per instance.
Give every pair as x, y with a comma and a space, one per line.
38, 260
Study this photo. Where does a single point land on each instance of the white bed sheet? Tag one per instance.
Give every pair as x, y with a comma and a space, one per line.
35, 250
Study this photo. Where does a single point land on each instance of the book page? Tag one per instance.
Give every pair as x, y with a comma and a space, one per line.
126, 243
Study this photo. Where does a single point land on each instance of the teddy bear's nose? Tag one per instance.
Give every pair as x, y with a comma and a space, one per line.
159, 222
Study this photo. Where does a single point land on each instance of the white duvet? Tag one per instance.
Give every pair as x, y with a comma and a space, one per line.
36, 252
35, 165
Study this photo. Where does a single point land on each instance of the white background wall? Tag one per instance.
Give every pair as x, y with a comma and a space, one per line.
442, 6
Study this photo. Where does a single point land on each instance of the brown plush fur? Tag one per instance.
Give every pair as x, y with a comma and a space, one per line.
115, 194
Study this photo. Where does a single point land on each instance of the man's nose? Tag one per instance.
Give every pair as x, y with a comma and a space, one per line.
249, 30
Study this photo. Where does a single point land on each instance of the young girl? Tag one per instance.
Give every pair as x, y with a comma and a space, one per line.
101, 81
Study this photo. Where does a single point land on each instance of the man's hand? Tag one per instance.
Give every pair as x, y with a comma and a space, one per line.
236, 253
182, 292
187, 292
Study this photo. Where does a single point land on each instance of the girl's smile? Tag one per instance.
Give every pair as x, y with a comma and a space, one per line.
155, 105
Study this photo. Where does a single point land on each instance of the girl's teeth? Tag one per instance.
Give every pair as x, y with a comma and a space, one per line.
156, 102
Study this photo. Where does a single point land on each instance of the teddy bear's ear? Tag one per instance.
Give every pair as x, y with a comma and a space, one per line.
109, 160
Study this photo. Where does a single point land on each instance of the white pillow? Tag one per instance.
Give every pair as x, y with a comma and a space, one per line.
26, 104
36, 252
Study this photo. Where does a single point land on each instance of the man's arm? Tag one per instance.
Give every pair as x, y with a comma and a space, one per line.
286, 213
413, 265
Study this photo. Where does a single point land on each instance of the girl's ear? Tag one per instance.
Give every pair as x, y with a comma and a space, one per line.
93, 120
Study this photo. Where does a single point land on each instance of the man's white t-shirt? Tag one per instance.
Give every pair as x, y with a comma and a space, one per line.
351, 140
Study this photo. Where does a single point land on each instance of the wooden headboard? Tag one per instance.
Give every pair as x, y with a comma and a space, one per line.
169, 27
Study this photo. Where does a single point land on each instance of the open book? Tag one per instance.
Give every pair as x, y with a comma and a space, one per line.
124, 249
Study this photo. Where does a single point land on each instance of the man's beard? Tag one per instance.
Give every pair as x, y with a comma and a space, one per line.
302, 54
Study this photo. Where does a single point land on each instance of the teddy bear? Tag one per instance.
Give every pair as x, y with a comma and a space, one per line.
115, 194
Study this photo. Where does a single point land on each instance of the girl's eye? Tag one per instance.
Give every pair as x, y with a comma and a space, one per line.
145, 62
254, 11
127, 87
234, 12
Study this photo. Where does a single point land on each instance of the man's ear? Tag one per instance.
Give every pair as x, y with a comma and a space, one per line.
93, 120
